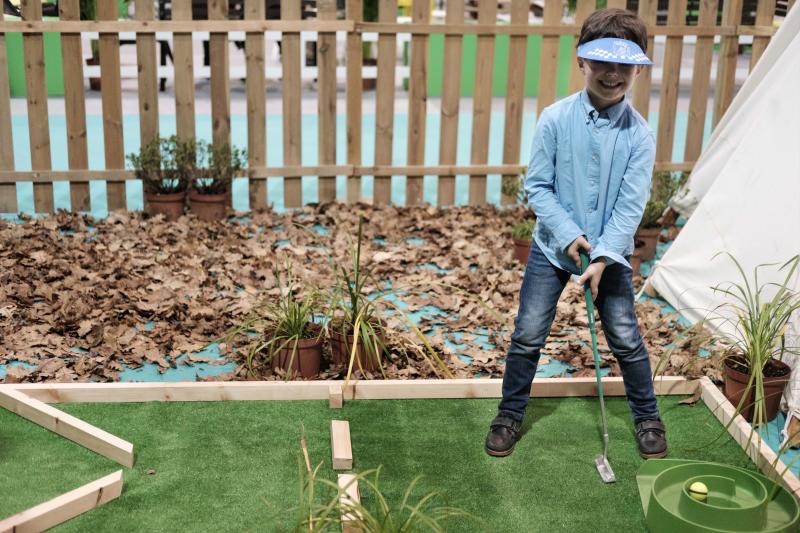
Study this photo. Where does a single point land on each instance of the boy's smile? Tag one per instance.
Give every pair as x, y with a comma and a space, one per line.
607, 82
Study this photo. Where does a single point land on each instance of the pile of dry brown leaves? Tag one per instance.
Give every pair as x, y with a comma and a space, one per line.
77, 293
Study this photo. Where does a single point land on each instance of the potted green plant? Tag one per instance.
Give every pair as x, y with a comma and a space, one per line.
521, 234
663, 186
164, 184
212, 169
287, 338
522, 231
753, 325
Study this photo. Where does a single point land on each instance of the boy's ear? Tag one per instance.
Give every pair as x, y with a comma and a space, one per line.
580, 63
638, 70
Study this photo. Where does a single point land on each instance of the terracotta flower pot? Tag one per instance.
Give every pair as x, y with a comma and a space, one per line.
169, 205
522, 250
650, 238
208, 207
636, 258
302, 357
342, 345
736, 383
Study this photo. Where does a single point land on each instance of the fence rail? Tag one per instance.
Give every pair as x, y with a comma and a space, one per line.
552, 28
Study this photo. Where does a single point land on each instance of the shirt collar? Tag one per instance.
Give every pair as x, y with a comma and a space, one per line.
614, 112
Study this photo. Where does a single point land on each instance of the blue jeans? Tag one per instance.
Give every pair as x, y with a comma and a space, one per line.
541, 289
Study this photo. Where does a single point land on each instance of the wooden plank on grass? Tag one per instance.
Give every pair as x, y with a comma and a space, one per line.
256, 104
418, 95
148, 77
321, 390
548, 66
758, 450
111, 94
482, 103
515, 94
75, 105
183, 63
65, 507
335, 396
67, 426
348, 499
354, 89
220, 78
726, 61
583, 9
36, 92
451, 97
701, 73
341, 449
641, 89
292, 136
326, 78
384, 106
670, 81
8, 191
765, 12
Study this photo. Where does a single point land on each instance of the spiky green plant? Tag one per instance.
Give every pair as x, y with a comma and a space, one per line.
281, 323
754, 324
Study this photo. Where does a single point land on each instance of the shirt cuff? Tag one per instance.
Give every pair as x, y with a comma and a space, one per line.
611, 257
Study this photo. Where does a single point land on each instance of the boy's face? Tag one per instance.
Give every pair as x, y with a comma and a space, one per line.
606, 82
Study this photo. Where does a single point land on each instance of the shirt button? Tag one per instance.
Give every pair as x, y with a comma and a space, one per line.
594, 157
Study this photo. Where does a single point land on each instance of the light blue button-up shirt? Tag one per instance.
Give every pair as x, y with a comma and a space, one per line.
589, 174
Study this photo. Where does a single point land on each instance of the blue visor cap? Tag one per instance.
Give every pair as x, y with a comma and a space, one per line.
613, 50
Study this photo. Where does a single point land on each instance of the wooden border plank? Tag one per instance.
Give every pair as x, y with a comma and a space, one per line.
548, 66
8, 191
255, 86
111, 95
183, 63
341, 449
450, 102
220, 77
583, 9
354, 90
761, 454
417, 96
322, 390
67, 426
482, 103
348, 497
384, 103
335, 396
515, 94
65, 507
641, 89
701, 74
726, 61
670, 81
765, 12
36, 94
326, 80
292, 134
75, 106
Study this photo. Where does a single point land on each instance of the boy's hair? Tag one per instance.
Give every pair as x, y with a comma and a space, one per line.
612, 22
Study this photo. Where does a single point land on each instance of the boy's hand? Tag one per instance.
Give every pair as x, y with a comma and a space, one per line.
592, 276
573, 250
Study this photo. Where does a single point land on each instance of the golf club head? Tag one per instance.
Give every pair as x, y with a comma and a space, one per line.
606, 473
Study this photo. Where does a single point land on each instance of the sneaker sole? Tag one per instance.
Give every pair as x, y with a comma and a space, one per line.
659, 455
497, 453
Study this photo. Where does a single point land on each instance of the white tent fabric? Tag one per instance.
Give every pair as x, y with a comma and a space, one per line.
746, 188
724, 139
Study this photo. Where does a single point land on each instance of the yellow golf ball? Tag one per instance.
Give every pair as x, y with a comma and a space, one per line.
698, 491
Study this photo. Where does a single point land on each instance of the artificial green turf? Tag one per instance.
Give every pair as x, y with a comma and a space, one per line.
233, 466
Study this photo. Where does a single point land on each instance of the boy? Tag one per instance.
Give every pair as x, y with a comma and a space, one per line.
588, 181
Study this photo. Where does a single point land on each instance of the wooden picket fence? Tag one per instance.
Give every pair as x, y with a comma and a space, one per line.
326, 25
